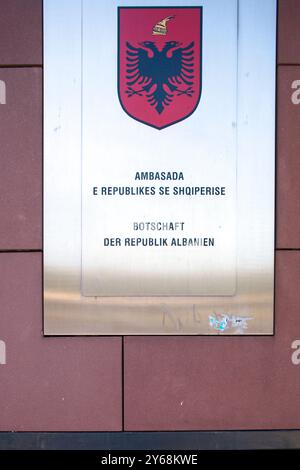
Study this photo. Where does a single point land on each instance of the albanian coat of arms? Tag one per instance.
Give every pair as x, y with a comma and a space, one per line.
160, 63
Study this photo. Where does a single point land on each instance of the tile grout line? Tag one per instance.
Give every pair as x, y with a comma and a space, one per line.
122, 385
22, 251
281, 64
21, 66
287, 249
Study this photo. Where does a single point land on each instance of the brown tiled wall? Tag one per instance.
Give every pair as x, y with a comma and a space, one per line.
170, 383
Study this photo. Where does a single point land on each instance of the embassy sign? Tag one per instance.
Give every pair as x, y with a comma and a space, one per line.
159, 167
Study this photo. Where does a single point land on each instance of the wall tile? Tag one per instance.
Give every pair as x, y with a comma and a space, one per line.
21, 32
288, 161
51, 384
288, 32
219, 383
21, 158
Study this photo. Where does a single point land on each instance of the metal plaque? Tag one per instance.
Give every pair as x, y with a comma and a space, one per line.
159, 167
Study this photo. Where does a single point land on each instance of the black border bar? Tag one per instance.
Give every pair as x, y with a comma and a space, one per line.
173, 440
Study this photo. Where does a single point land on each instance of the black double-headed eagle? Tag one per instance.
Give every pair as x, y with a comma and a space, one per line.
160, 74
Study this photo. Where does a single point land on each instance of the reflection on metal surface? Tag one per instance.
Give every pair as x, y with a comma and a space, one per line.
161, 315
118, 300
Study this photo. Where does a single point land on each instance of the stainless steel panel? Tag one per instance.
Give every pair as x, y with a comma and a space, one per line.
243, 304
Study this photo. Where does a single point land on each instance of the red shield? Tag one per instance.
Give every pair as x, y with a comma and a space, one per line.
159, 69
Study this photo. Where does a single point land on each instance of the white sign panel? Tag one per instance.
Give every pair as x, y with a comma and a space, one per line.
159, 205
